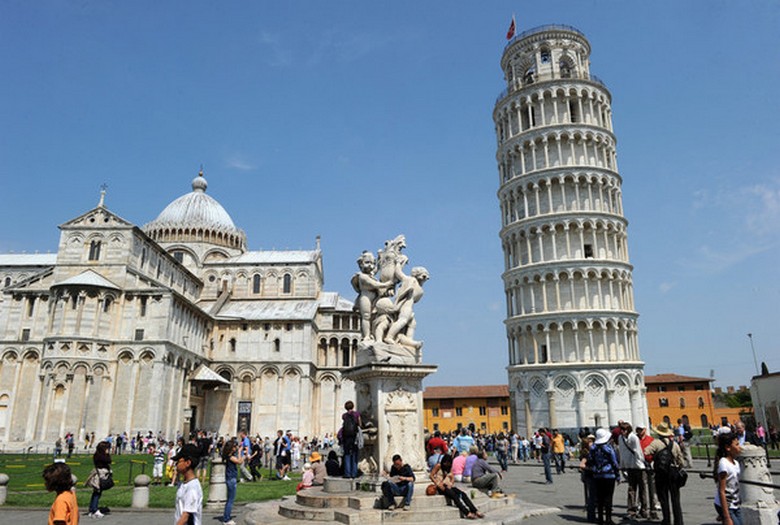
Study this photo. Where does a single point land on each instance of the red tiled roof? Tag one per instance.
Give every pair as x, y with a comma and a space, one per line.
674, 378
450, 392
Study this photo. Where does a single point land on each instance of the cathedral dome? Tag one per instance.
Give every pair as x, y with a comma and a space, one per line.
196, 217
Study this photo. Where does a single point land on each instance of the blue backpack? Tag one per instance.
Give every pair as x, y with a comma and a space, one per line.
602, 461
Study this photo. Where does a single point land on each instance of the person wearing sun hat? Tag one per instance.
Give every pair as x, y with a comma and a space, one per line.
318, 468
668, 492
603, 462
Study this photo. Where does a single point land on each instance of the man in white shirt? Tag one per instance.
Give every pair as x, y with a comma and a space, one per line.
189, 495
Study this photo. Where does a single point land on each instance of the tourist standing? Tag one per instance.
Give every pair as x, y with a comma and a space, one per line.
350, 423
666, 455
232, 457
632, 462
189, 495
101, 460
502, 451
648, 475
606, 473
727, 497
586, 476
559, 452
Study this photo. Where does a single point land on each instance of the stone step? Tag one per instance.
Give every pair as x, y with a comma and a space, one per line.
318, 498
418, 513
291, 509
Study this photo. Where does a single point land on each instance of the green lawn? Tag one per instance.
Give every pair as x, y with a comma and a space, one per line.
26, 488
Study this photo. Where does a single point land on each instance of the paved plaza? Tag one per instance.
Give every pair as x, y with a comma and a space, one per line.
524, 480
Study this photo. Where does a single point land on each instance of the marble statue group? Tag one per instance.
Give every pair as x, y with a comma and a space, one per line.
386, 299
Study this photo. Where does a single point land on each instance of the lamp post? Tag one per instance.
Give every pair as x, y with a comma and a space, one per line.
753, 348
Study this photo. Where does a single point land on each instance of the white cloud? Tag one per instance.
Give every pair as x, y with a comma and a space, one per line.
744, 219
665, 287
240, 164
277, 54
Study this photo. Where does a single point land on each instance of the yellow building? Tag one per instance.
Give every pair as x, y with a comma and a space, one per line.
671, 397
482, 408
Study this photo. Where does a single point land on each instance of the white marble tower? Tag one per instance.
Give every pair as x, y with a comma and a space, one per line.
571, 323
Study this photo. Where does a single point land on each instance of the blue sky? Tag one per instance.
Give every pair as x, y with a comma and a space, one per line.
358, 121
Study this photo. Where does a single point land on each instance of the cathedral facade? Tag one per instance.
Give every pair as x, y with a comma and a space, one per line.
571, 323
171, 327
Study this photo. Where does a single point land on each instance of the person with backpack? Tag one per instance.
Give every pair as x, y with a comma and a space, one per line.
667, 456
604, 465
349, 430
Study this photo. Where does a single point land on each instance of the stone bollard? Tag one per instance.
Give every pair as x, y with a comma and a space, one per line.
217, 486
141, 491
3, 488
758, 503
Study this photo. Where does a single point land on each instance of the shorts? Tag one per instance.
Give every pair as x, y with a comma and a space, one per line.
203, 464
157, 471
281, 461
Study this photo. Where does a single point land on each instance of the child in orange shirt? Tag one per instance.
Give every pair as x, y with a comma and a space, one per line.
64, 510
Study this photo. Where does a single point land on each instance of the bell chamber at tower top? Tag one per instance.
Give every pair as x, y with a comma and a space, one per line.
546, 53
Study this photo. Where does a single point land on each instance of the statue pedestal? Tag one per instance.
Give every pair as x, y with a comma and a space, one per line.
389, 397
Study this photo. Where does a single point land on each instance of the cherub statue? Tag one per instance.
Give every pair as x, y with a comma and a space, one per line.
368, 290
410, 292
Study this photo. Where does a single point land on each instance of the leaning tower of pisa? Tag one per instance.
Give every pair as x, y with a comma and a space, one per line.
570, 321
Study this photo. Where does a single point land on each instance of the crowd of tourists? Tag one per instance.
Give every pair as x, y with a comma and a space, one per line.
653, 468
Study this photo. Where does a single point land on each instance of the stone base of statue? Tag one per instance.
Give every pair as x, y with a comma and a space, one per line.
390, 353
389, 397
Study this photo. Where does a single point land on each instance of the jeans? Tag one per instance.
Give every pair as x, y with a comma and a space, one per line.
547, 470
735, 514
560, 463
231, 497
390, 490
350, 461
502, 459
94, 501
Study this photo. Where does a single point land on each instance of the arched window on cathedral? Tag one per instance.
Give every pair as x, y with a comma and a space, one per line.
233, 344
256, 283
94, 250
8, 281
287, 283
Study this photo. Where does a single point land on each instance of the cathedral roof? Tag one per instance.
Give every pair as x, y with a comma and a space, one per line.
27, 259
276, 257
88, 278
196, 217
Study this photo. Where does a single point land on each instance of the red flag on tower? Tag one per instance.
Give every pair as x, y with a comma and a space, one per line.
511, 32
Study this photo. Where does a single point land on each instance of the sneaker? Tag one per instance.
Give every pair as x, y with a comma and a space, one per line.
286, 478
97, 514
231, 522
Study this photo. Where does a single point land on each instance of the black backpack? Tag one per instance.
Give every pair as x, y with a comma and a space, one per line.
350, 426
662, 461
688, 433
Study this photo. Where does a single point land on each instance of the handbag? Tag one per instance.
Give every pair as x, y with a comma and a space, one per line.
107, 481
360, 439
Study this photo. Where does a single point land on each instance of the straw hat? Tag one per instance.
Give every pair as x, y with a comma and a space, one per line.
315, 456
663, 430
